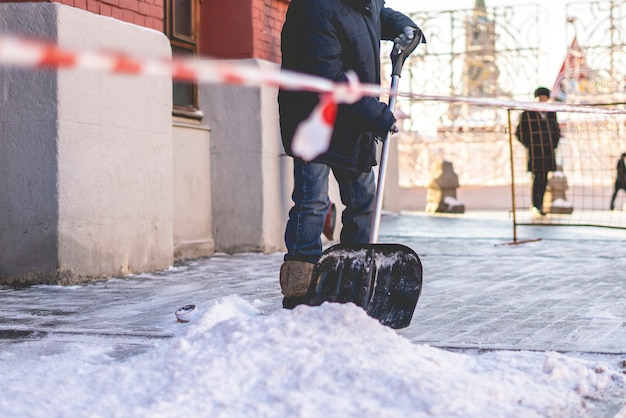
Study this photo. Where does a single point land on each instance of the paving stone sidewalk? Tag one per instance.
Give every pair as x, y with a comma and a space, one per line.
566, 292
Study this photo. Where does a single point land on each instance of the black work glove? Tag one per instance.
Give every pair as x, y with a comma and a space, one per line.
385, 123
394, 129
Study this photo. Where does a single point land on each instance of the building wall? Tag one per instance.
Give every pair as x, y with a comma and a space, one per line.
250, 174
268, 17
226, 31
29, 213
247, 168
86, 168
193, 215
115, 186
251, 28
146, 13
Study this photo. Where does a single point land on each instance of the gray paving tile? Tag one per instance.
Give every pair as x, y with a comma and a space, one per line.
566, 292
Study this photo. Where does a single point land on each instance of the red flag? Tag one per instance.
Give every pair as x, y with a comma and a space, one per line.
573, 71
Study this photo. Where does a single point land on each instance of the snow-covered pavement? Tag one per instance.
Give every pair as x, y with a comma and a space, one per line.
537, 329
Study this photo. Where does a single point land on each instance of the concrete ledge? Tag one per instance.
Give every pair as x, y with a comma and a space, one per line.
193, 249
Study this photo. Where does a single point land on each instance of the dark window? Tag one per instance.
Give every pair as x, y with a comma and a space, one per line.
181, 26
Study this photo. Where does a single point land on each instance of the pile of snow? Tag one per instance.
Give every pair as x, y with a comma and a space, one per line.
333, 360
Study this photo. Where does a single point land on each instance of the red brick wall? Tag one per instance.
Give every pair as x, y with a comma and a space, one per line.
242, 29
267, 21
147, 13
228, 28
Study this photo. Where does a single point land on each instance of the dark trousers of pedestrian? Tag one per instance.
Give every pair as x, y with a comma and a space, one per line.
540, 181
617, 189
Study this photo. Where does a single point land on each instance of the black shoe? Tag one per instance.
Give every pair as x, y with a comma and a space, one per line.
290, 303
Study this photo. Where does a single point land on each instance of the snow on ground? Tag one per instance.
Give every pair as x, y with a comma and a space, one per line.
333, 361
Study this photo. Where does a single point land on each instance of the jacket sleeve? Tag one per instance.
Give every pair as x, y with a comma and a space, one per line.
392, 23
377, 115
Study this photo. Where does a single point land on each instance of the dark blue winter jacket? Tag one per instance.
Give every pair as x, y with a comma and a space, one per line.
327, 38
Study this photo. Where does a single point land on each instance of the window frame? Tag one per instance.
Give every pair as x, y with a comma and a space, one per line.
189, 44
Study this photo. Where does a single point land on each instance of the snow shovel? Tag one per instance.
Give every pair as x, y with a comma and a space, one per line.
383, 279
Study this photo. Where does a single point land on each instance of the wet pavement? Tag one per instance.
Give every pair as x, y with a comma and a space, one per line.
565, 292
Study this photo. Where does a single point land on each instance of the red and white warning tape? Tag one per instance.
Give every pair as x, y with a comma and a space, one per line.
516, 105
311, 139
39, 54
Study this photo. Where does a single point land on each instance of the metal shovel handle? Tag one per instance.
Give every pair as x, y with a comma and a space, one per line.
398, 56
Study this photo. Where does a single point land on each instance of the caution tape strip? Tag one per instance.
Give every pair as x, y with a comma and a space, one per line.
38, 54
42, 55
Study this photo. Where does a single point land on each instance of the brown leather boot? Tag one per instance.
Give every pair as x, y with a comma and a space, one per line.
295, 277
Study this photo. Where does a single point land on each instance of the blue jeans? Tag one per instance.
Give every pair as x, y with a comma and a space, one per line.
311, 202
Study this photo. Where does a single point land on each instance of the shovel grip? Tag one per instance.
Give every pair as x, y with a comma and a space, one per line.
399, 55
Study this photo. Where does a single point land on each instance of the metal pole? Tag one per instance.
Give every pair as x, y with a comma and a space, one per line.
398, 56
508, 112
383, 166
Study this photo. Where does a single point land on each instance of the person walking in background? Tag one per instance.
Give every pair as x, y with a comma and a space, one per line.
620, 179
328, 38
539, 132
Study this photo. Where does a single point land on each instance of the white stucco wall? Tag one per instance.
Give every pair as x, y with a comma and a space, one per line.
250, 178
28, 177
193, 219
88, 189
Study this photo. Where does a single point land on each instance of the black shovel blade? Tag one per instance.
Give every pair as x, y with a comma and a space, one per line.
383, 279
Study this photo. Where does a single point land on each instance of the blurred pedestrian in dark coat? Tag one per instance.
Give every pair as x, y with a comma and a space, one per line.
540, 134
620, 179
